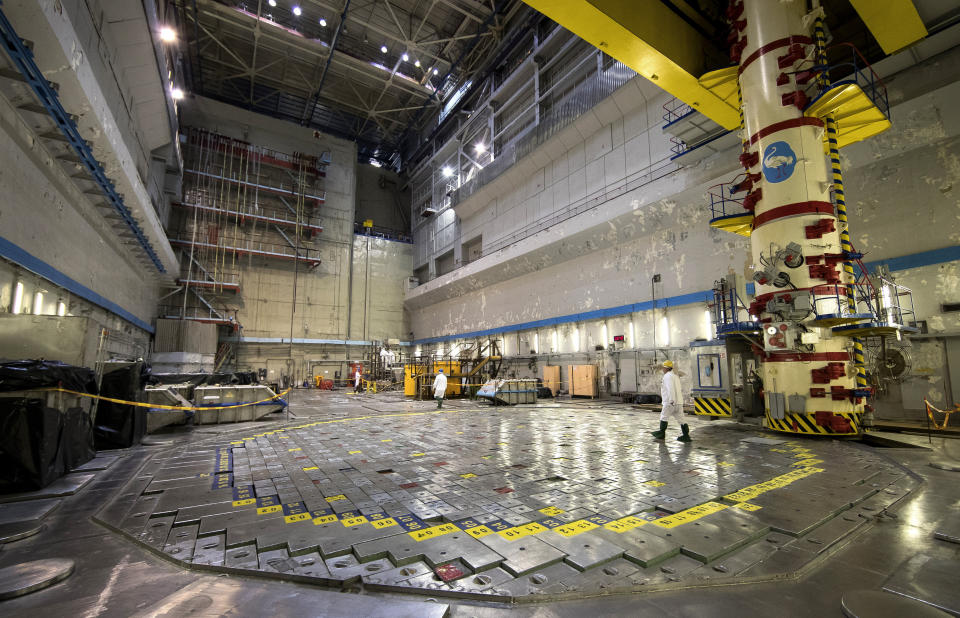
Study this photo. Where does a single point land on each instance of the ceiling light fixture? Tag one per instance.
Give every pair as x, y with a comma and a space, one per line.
176, 93
436, 72
168, 35
272, 2
447, 171
406, 57
297, 11
323, 22
383, 48
417, 64
480, 148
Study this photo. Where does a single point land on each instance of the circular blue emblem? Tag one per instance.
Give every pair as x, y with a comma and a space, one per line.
778, 162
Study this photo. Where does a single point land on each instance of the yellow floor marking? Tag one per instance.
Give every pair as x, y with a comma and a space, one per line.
575, 528
551, 511
326, 519
384, 523
478, 532
432, 532
688, 515
625, 524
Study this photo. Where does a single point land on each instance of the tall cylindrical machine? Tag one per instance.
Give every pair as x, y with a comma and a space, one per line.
807, 371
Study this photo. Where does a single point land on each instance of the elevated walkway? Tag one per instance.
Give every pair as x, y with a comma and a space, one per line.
857, 101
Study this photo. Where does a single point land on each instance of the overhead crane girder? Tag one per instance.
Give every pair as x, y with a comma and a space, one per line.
652, 40
894, 23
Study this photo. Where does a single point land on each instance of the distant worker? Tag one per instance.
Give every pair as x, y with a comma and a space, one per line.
356, 381
439, 387
672, 397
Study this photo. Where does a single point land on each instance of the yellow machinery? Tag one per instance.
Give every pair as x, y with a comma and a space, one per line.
417, 373
411, 373
452, 369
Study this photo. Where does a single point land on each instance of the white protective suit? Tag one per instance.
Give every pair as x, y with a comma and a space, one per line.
439, 386
672, 397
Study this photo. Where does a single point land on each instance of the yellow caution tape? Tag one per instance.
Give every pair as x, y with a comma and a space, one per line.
140, 404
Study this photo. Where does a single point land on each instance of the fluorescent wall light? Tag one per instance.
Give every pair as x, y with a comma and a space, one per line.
17, 298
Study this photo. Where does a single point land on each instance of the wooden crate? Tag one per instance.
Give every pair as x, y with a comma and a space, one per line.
551, 378
584, 381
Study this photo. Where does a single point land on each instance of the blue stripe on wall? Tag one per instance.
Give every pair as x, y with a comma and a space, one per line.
37, 266
915, 260
673, 301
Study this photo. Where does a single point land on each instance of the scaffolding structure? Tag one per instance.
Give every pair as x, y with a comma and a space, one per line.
242, 204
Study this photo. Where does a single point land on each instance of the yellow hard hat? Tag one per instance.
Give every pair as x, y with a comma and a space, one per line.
668, 364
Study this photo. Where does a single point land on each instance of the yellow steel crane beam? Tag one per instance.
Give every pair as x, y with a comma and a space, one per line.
894, 23
652, 40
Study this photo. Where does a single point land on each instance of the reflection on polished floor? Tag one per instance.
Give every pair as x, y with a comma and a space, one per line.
473, 508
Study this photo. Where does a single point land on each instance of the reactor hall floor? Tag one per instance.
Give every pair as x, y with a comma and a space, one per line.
474, 507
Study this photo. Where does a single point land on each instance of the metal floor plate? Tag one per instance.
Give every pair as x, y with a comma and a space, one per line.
27, 577
930, 580
63, 486
217, 597
499, 502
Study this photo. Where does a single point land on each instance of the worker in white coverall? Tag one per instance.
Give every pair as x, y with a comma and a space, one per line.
672, 397
439, 387
356, 382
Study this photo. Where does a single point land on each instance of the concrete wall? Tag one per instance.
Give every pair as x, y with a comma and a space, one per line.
379, 198
356, 293
267, 286
380, 271
44, 213
622, 214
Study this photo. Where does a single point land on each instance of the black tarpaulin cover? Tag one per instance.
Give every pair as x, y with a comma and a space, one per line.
25, 375
39, 444
203, 379
119, 425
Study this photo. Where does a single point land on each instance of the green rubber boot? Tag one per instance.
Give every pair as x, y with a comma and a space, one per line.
660, 435
685, 436
439, 402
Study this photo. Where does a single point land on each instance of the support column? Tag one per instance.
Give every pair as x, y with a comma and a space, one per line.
807, 374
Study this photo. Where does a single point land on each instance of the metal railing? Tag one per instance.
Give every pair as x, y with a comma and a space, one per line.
580, 100
674, 110
381, 232
894, 303
249, 246
677, 146
722, 202
192, 312
854, 70
265, 216
633, 181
